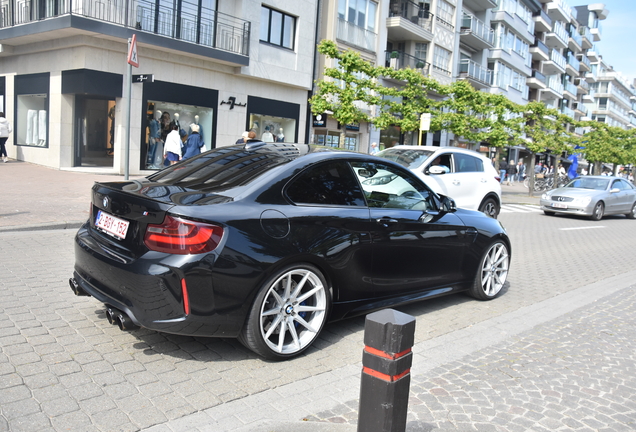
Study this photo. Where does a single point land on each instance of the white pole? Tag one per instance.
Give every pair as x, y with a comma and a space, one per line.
128, 79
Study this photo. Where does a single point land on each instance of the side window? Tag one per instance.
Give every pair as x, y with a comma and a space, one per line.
443, 160
329, 183
386, 186
467, 163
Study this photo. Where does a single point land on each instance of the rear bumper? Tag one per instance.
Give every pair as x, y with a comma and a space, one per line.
149, 289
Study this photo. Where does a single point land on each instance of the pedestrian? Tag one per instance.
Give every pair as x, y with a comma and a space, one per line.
172, 149
521, 171
243, 138
374, 148
5, 130
494, 162
193, 143
503, 169
538, 168
251, 137
512, 172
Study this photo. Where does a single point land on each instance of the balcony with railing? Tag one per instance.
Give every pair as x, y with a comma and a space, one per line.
573, 65
582, 86
206, 27
476, 33
567, 111
409, 21
587, 39
584, 63
402, 60
597, 31
536, 80
576, 40
555, 65
554, 89
570, 88
593, 53
559, 10
558, 37
479, 76
539, 51
542, 22
352, 34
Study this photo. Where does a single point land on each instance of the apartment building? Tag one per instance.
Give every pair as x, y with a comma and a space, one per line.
227, 65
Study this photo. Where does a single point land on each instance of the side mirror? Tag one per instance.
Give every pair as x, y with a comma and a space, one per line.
615, 190
448, 205
436, 169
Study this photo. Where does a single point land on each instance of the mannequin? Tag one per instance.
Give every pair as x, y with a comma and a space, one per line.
267, 135
176, 119
154, 136
196, 122
281, 136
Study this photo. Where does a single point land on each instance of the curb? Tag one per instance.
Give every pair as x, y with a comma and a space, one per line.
43, 226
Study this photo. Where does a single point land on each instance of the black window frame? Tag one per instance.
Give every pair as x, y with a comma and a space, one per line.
282, 29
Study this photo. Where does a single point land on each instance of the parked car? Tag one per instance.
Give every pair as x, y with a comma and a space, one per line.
593, 196
464, 175
266, 242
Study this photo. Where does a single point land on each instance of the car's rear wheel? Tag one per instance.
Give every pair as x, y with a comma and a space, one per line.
548, 213
490, 208
598, 212
632, 213
492, 272
288, 313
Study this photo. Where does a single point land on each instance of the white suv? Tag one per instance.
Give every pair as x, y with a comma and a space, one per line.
464, 175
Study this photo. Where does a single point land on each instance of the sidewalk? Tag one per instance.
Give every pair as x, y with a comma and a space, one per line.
36, 197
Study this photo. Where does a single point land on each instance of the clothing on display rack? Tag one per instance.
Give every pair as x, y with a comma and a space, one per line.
42, 127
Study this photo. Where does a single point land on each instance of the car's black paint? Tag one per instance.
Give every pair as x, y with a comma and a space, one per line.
371, 257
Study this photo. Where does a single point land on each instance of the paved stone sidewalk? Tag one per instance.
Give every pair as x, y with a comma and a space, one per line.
534, 369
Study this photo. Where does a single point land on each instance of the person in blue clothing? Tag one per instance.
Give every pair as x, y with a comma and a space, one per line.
193, 144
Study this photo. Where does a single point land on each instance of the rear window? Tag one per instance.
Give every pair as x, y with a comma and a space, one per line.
409, 158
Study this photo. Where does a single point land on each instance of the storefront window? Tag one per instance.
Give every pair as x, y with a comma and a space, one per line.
351, 142
160, 115
389, 137
32, 120
273, 129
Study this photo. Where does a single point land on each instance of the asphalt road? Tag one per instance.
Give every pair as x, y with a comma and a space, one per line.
554, 351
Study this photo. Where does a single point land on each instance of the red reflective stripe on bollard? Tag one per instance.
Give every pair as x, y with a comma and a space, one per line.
384, 377
381, 353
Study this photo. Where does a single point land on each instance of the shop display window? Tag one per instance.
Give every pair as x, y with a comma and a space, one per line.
32, 120
329, 139
160, 114
273, 129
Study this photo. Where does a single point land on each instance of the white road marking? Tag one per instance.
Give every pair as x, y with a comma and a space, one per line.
581, 228
519, 208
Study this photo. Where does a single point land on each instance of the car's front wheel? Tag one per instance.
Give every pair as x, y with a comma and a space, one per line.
490, 208
632, 213
288, 313
598, 212
492, 272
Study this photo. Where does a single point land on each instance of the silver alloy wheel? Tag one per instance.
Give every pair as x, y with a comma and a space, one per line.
599, 210
494, 269
293, 311
490, 208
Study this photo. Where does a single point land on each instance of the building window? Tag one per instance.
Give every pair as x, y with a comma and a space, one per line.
277, 28
358, 12
445, 12
32, 110
441, 59
421, 50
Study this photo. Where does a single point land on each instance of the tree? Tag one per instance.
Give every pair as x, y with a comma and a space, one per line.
608, 144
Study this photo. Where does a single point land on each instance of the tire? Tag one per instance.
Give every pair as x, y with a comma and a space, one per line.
599, 210
288, 313
490, 208
548, 213
492, 272
632, 213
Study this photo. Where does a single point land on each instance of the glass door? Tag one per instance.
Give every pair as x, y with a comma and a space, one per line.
94, 132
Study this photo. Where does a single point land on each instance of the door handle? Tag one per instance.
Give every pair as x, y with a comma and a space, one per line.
386, 221
456, 182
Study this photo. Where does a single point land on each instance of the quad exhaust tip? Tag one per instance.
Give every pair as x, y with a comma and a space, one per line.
77, 290
120, 319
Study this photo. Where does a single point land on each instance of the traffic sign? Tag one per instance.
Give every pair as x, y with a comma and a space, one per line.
132, 52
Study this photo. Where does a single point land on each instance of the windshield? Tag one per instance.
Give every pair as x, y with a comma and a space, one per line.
409, 158
588, 183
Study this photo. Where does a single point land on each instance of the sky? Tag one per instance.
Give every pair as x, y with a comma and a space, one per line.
618, 38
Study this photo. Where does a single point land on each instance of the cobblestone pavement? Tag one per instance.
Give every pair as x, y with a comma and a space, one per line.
63, 367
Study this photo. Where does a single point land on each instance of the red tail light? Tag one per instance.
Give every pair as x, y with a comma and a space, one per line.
182, 237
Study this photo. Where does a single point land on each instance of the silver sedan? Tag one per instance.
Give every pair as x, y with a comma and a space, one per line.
592, 196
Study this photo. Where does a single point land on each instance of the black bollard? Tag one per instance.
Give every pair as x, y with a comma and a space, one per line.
386, 365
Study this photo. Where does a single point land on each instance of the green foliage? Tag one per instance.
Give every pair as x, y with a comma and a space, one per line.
610, 144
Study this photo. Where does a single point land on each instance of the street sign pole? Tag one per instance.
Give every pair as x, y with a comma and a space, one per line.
131, 61
425, 125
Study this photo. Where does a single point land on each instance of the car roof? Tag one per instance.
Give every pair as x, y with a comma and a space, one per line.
437, 149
